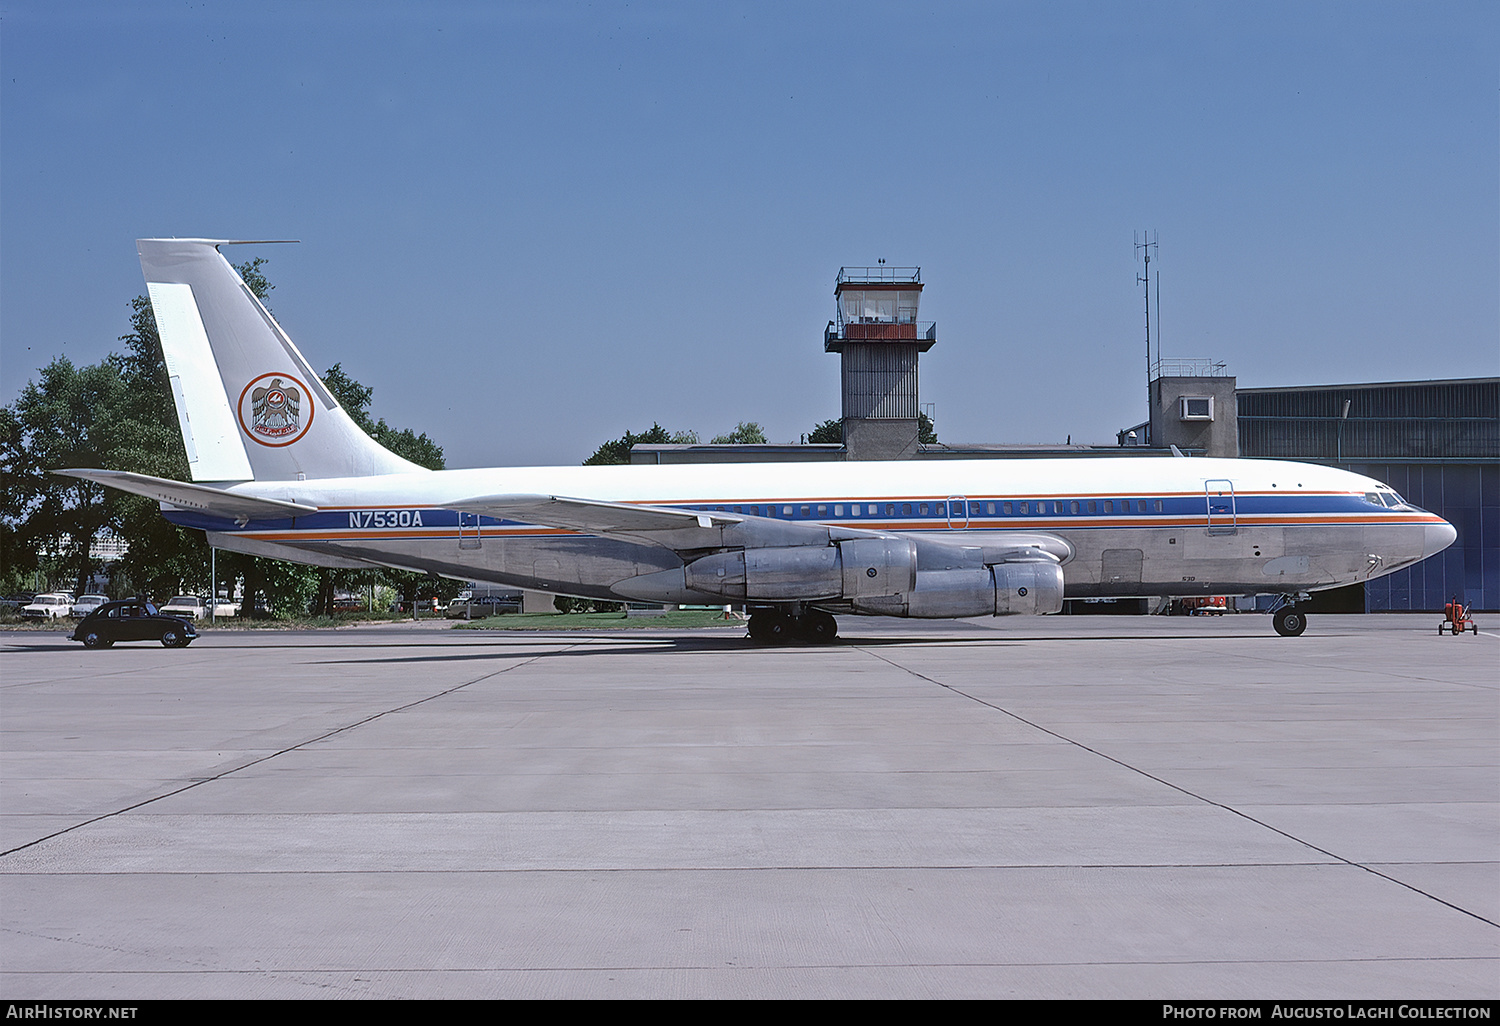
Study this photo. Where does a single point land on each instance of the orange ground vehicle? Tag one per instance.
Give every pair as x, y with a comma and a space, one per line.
1456, 619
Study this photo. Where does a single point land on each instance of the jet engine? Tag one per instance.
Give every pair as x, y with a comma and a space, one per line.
878, 576
999, 590
864, 567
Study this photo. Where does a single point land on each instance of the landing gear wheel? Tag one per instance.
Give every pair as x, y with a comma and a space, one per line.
816, 627
770, 627
1289, 623
170, 639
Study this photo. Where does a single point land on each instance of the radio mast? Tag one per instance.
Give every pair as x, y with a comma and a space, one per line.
1145, 242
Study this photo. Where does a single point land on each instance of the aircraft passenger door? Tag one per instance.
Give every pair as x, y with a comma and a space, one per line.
468, 530
1218, 495
958, 512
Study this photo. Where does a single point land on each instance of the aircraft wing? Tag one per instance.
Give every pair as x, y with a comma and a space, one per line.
659, 525
686, 530
191, 496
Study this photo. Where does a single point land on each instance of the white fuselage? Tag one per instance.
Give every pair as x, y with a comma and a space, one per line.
1126, 526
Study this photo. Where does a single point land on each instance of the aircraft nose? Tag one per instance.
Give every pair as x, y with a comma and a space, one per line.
1437, 537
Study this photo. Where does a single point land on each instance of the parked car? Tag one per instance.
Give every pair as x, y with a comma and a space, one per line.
479, 606
224, 607
86, 604
189, 607
48, 607
132, 620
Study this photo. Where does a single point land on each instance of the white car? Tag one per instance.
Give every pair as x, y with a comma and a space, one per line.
48, 607
86, 604
189, 607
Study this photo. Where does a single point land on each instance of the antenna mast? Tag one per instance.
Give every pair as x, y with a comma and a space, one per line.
1145, 242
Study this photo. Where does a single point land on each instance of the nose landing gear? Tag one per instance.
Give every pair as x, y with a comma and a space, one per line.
1288, 620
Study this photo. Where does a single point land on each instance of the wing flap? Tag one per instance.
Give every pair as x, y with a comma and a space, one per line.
191, 496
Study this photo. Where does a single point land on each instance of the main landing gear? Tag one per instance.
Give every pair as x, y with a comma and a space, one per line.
773, 626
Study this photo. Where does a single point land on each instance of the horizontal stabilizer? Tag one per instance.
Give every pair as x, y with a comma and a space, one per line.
591, 515
191, 496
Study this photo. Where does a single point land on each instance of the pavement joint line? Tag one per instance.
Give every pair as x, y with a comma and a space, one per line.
266, 758
1020, 867
780, 966
1179, 788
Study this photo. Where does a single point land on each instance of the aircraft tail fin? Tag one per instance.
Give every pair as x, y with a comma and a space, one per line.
249, 405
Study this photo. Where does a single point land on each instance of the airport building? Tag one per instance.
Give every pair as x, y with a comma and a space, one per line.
1435, 442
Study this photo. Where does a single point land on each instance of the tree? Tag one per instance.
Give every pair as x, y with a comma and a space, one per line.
355, 399
833, 431
744, 433
65, 420
826, 432
618, 450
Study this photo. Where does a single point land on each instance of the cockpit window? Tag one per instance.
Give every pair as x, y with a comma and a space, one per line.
1373, 497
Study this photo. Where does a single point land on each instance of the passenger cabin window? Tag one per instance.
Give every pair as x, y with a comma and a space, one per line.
1158, 505
1006, 507
1109, 506
1073, 506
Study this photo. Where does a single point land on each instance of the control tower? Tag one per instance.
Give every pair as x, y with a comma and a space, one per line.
878, 338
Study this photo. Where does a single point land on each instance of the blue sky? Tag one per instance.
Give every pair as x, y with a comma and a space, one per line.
532, 226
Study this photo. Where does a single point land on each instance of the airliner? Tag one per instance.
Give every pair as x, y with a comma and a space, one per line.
279, 469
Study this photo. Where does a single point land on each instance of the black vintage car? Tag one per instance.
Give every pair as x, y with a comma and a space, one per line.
132, 620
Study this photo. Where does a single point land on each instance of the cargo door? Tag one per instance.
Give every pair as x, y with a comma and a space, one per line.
1120, 571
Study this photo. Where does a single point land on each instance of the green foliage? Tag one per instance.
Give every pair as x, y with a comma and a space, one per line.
618, 451
833, 431
828, 431
65, 420
744, 433
355, 399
